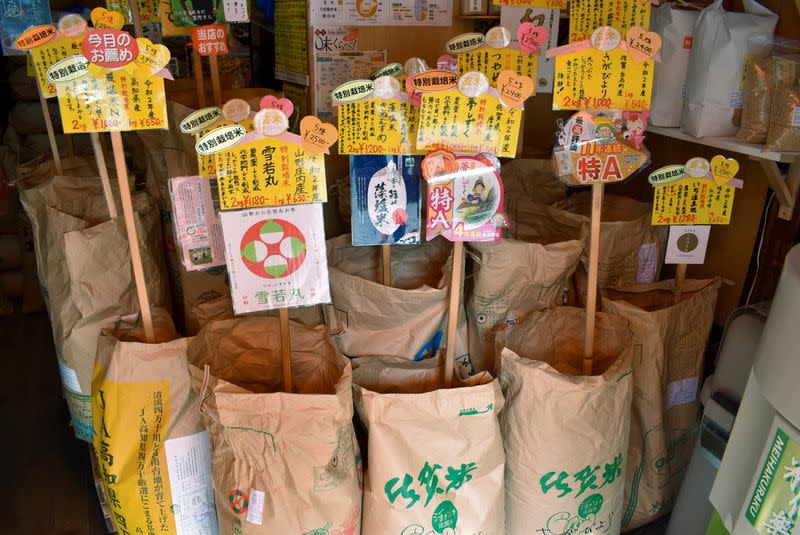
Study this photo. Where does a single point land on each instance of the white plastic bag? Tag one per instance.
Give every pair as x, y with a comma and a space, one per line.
714, 78
676, 28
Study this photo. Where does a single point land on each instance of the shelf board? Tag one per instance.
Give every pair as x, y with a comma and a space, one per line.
727, 143
480, 17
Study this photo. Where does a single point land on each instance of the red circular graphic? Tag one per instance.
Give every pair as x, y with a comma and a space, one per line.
273, 248
238, 499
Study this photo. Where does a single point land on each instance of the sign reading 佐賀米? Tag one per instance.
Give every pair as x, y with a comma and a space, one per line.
775, 501
385, 197
270, 171
276, 257
465, 197
376, 126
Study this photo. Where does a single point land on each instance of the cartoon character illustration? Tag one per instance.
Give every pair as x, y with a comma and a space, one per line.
478, 192
635, 125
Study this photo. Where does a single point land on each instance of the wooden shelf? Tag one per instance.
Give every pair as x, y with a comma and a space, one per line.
727, 143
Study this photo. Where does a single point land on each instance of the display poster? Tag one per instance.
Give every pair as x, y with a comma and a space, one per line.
196, 12
332, 69
376, 126
236, 10
168, 26
112, 101
18, 16
687, 244
276, 257
493, 61
197, 227
270, 171
774, 504
48, 54
465, 198
692, 201
512, 17
334, 39
291, 43
148, 10
452, 120
385, 194
592, 79
587, 15
381, 12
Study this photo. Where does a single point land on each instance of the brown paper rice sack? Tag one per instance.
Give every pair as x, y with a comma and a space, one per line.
405, 320
84, 266
532, 179
565, 434
511, 279
221, 308
758, 89
435, 455
282, 462
671, 341
152, 449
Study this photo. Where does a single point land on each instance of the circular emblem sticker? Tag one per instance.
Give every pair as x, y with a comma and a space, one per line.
238, 499
273, 249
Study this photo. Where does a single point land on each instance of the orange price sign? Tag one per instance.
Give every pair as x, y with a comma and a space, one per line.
210, 40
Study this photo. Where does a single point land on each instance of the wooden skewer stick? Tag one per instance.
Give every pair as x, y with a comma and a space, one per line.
137, 20
197, 61
286, 350
680, 278
51, 135
215, 84
103, 171
133, 238
386, 252
591, 288
452, 313
70, 147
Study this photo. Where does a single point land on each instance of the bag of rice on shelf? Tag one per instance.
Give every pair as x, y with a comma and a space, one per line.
666, 379
565, 434
152, 449
435, 455
282, 462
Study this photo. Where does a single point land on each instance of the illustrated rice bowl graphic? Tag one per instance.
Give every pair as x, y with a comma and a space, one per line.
273, 249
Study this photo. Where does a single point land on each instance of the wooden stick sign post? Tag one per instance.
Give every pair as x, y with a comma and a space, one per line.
271, 185
689, 198
212, 41
577, 162
108, 63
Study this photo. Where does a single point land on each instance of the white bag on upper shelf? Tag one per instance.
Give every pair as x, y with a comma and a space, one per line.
714, 78
676, 28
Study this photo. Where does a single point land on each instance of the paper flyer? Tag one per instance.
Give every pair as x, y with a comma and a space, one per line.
332, 69
276, 257
385, 192
197, 227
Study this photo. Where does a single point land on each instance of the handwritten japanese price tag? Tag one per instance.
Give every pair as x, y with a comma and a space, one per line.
692, 201
210, 40
47, 55
492, 62
450, 119
587, 15
376, 126
547, 4
276, 257
207, 163
592, 79
270, 171
465, 204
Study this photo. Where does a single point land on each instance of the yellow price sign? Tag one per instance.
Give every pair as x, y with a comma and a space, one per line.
692, 201
375, 126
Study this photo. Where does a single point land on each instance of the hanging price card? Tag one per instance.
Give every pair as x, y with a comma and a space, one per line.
492, 62
692, 201
452, 120
270, 171
376, 126
592, 79
586, 15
